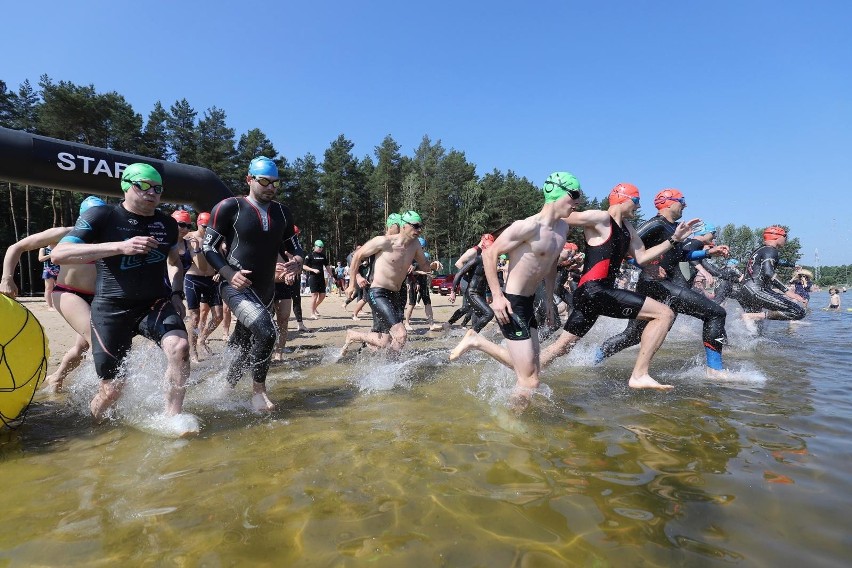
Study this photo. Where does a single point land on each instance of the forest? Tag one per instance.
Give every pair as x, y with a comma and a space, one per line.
341, 198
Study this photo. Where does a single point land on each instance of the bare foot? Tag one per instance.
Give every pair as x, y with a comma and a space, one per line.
315, 316
520, 399
302, 327
356, 318
346, 344
204, 345
408, 327
717, 374
98, 408
468, 341
439, 327
277, 357
646, 382
193, 358
261, 402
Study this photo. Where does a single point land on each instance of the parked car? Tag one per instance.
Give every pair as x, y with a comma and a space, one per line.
441, 283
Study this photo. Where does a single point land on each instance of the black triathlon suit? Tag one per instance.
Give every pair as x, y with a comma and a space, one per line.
596, 294
673, 290
131, 294
254, 237
317, 261
757, 293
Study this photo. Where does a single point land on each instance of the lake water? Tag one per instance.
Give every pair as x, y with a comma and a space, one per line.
417, 463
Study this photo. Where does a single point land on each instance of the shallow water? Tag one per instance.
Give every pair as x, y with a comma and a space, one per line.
417, 463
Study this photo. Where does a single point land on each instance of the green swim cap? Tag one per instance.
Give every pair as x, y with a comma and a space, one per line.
504, 257
411, 217
135, 172
393, 219
319, 243
558, 185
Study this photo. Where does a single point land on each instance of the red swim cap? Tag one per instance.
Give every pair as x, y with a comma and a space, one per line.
296, 228
665, 197
623, 192
773, 232
570, 246
203, 218
487, 240
182, 216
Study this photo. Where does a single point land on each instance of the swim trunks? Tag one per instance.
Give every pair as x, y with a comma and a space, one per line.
522, 318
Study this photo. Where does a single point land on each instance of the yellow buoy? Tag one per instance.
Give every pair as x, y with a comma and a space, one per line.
23, 358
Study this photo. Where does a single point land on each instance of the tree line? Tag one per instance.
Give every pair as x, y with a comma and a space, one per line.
342, 199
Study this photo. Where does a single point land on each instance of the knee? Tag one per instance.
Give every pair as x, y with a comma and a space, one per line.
666, 315
176, 348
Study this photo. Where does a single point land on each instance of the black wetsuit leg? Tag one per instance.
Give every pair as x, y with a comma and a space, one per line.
256, 340
482, 312
754, 299
296, 295
463, 310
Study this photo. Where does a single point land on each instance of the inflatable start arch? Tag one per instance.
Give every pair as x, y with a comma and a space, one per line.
47, 162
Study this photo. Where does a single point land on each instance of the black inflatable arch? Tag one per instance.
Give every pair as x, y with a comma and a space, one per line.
47, 162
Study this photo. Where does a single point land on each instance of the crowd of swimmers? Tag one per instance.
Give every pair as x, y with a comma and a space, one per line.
130, 269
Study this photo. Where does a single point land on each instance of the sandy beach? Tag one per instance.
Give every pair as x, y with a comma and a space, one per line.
327, 331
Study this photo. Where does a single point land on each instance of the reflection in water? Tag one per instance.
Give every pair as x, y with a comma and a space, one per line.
417, 463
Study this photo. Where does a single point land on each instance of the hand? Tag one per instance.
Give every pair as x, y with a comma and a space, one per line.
239, 280
8, 287
502, 309
685, 229
452, 296
350, 290
279, 272
720, 250
138, 245
710, 280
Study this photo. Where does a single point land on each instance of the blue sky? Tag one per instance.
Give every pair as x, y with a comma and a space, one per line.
745, 106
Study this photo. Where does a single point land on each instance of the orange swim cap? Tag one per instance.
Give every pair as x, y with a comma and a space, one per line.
774, 232
570, 246
203, 218
623, 192
182, 216
665, 197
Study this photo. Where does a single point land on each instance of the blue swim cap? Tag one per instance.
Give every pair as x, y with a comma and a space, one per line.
732, 262
90, 202
263, 166
422, 241
427, 255
704, 229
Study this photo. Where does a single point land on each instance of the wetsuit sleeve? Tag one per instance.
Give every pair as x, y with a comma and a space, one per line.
293, 246
652, 232
87, 228
714, 271
464, 270
221, 218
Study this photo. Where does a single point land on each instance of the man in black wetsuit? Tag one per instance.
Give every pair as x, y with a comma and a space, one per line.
609, 238
254, 229
133, 242
474, 272
663, 281
757, 292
